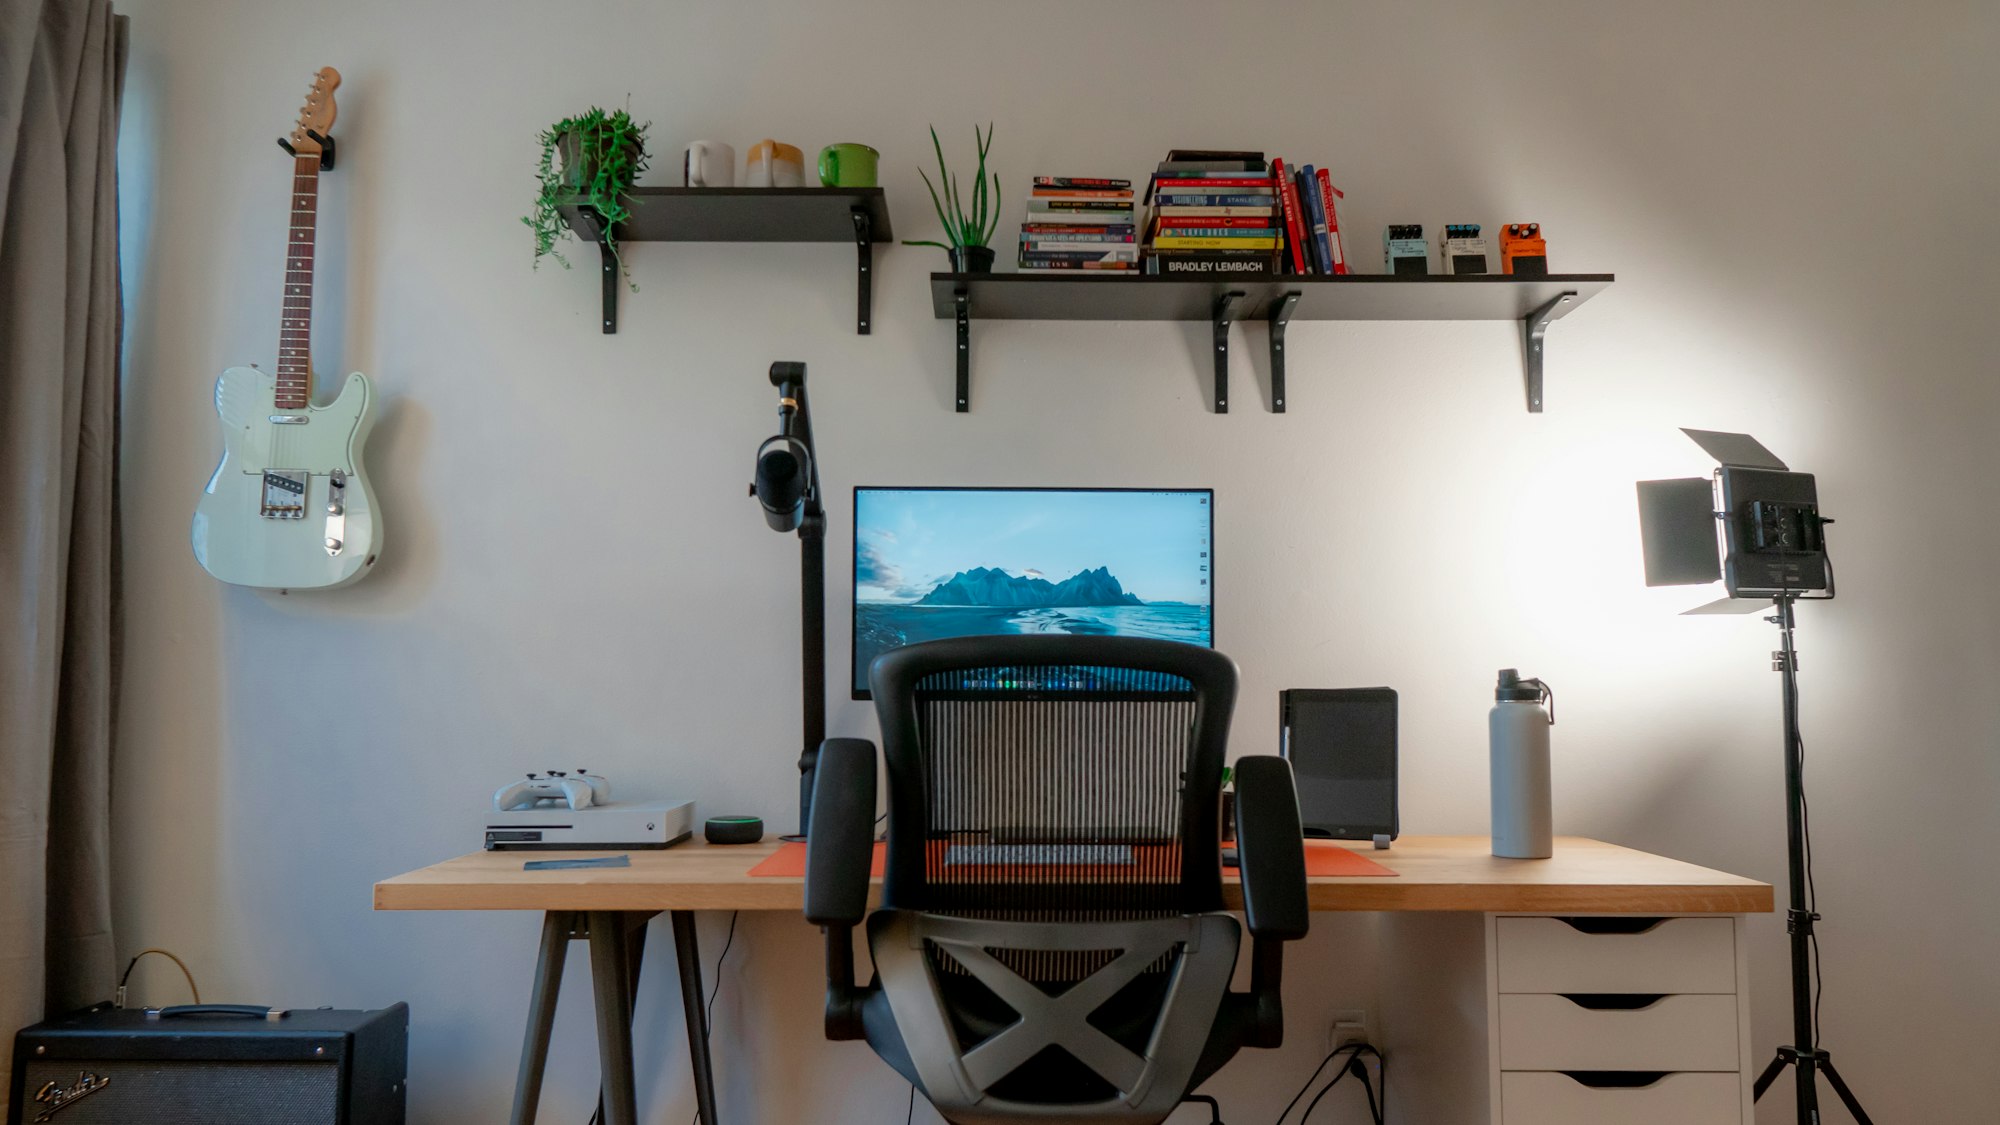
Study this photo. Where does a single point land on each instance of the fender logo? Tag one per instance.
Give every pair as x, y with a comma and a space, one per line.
56, 1096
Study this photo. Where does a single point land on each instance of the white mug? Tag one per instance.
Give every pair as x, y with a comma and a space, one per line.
709, 164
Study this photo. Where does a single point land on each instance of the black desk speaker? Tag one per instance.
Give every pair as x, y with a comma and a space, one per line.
111, 1066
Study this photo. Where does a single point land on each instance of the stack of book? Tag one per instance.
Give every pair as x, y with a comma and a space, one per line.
1213, 214
1306, 199
1079, 223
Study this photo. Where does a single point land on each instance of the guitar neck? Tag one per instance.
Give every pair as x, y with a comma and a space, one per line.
294, 391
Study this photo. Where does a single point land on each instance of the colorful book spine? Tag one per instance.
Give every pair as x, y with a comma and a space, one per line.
1079, 193
1087, 182
1329, 196
1094, 230
1175, 242
1098, 248
1040, 237
1080, 218
1111, 206
1108, 267
1247, 221
1182, 212
1212, 200
1210, 183
1217, 232
1120, 254
1288, 203
1315, 220
1201, 263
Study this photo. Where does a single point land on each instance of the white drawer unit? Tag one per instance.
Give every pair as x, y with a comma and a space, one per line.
1674, 1099
1617, 1019
1645, 955
1610, 1019
1670, 1033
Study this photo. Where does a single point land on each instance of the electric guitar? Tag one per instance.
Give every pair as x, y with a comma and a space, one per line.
289, 506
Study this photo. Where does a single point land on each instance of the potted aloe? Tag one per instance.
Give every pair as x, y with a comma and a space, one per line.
968, 224
602, 155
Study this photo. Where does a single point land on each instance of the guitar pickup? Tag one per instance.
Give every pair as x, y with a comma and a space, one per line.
284, 494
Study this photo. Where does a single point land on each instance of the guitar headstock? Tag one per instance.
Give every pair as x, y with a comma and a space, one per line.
316, 116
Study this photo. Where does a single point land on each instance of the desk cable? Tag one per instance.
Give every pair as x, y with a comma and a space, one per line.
1377, 1106
708, 1017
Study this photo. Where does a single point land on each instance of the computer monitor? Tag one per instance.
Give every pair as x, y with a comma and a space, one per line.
956, 562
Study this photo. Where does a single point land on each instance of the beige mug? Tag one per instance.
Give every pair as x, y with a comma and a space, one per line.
771, 164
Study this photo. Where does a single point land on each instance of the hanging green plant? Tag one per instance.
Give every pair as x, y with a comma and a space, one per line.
602, 155
970, 232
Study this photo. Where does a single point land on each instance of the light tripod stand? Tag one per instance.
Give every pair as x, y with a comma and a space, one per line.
1804, 1056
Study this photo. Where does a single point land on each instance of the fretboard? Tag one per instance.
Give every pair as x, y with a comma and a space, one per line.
295, 329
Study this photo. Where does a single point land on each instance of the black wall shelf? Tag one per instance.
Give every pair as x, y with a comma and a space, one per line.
1532, 301
679, 214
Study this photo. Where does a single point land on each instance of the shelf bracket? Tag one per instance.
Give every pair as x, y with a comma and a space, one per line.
1281, 315
609, 258
864, 242
963, 300
1533, 328
1225, 311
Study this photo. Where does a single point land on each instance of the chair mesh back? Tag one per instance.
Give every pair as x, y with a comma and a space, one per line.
1058, 805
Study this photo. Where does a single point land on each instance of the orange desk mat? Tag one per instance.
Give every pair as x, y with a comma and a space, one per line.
1323, 858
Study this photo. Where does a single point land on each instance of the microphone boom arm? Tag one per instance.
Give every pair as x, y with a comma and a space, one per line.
795, 423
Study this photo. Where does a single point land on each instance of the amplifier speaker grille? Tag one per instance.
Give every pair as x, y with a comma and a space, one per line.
141, 1092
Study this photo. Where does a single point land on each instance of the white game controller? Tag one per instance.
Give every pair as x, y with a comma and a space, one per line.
581, 789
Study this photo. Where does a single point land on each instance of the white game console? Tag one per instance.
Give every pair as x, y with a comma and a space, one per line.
614, 825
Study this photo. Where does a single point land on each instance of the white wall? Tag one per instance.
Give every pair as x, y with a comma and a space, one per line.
1795, 197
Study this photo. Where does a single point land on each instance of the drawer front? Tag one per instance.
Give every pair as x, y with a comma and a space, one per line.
1672, 1033
1676, 1099
1677, 955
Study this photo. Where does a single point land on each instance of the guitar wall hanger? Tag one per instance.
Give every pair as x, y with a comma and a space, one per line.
325, 149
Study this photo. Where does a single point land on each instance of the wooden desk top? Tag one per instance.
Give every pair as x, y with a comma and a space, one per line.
1433, 873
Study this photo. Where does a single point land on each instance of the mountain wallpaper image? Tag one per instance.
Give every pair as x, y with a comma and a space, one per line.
952, 563
990, 586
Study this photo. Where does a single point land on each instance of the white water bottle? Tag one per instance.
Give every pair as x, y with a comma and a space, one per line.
1519, 730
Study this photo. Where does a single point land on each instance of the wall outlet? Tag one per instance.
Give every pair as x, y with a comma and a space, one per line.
1351, 1025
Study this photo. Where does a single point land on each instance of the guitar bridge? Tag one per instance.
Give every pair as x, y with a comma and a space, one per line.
284, 494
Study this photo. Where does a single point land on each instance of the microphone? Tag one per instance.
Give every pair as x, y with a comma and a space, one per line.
783, 465
785, 473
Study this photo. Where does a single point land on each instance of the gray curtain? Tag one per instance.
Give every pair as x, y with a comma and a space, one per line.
62, 63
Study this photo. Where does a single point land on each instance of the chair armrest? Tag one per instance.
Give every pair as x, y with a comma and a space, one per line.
1271, 844
840, 846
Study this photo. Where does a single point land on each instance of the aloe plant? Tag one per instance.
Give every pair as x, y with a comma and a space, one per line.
964, 229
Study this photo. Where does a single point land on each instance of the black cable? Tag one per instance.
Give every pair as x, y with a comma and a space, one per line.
1367, 1087
1354, 1066
1323, 1091
708, 1016
910, 1114
1382, 1069
1330, 1055
1812, 889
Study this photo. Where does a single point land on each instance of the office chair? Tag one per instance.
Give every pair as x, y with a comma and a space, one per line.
1051, 942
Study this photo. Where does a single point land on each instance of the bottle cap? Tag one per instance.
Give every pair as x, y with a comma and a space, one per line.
1514, 689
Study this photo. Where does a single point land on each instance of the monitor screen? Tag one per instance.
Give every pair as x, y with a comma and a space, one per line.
957, 562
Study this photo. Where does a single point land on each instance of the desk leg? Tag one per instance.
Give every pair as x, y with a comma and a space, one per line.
688, 952
633, 927
556, 928
611, 985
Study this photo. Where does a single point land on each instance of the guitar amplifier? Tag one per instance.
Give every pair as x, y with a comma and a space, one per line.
212, 1064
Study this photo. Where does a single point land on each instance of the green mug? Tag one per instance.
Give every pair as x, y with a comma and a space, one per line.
847, 165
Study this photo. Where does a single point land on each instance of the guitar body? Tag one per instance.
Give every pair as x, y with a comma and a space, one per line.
289, 507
